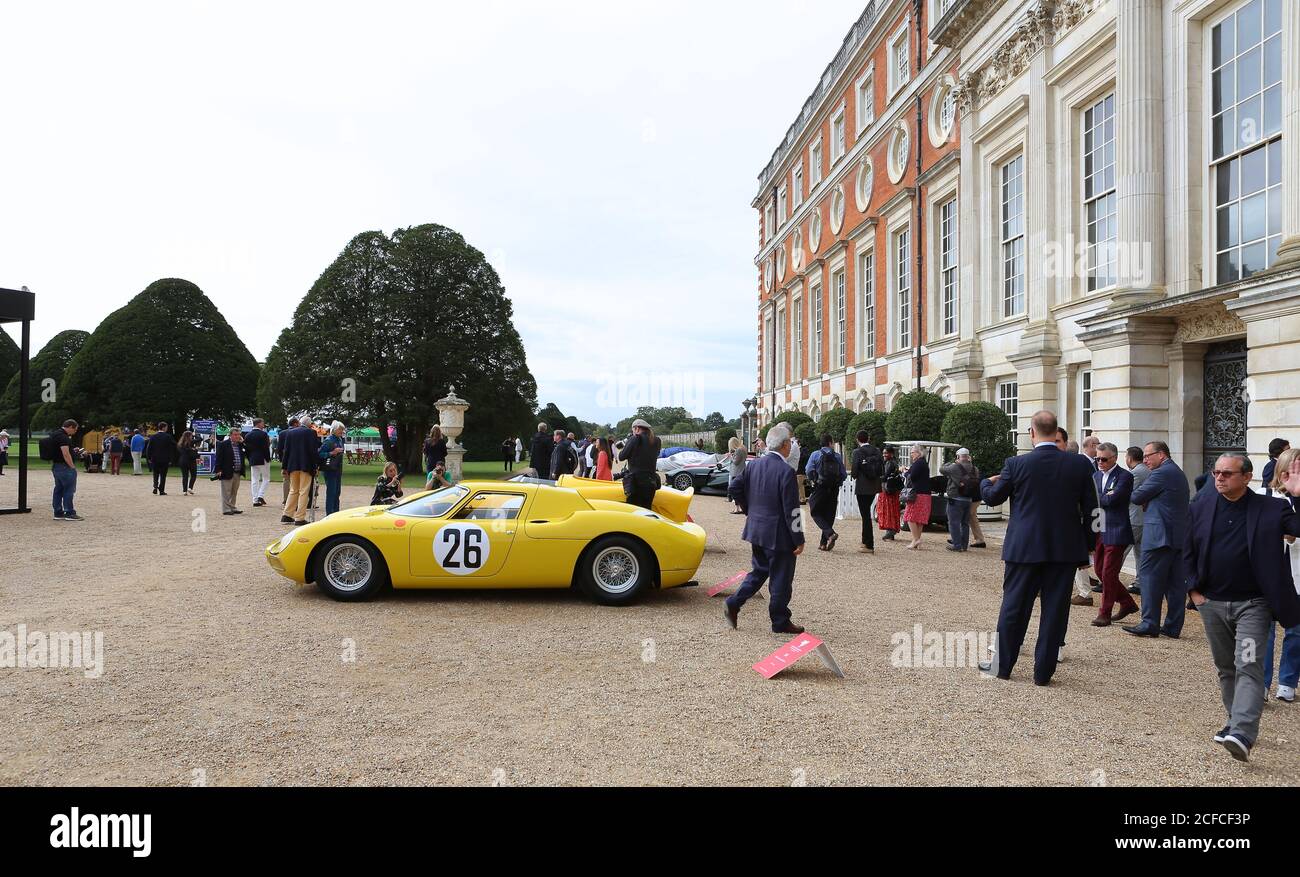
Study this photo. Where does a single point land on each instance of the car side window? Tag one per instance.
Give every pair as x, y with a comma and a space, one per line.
487, 506
431, 505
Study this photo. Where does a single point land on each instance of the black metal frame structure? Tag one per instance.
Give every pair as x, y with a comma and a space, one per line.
19, 306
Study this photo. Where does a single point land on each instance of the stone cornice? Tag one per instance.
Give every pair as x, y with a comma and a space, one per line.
961, 20
1044, 21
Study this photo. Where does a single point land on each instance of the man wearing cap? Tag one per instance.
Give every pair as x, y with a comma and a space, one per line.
963, 487
767, 493
641, 452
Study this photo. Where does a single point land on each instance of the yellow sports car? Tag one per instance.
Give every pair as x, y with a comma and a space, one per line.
500, 534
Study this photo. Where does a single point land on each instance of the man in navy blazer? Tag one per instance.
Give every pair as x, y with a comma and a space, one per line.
1048, 537
1164, 497
768, 492
1239, 577
300, 456
1114, 488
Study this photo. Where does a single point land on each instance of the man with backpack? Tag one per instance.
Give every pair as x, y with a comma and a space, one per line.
963, 489
868, 469
57, 449
825, 472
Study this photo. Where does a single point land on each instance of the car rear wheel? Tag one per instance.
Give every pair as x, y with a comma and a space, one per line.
350, 569
615, 571
683, 481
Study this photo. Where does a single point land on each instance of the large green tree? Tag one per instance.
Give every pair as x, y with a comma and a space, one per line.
11, 358
388, 327
48, 364
916, 416
168, 354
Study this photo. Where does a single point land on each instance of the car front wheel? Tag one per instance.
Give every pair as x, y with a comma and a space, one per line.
350, 569
682, 481
615, 571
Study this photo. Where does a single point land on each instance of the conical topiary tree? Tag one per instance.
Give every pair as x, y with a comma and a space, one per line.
168, 354
47, 365
11, 358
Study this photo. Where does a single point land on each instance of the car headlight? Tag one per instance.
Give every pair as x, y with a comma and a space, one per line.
285, 541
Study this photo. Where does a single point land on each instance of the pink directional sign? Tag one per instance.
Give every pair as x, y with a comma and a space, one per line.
729, 583
788, 654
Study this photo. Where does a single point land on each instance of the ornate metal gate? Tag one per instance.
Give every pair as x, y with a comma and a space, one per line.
1225, 400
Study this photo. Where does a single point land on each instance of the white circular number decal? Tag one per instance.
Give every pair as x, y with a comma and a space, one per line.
461, 549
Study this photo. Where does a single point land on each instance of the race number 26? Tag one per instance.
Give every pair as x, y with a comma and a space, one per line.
462, 549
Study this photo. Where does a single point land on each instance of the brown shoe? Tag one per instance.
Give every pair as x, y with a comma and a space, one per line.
1076, 600
1124, 614
862, 549
789, 627
1101, 621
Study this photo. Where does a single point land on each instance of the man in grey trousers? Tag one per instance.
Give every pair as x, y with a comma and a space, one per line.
1140, 473
1240, 581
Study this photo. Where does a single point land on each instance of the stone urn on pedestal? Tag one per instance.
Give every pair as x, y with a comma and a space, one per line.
451, 419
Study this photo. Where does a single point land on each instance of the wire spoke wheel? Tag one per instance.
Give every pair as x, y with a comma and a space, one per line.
616, 570
348, 567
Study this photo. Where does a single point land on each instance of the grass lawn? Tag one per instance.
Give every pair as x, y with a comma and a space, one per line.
352, 475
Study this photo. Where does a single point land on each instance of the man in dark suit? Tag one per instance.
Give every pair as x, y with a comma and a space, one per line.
279, 455
1052, 503
769, 495
867, 468
564, 458
257, 445
1114, 488
161, 452
301, 457
1240, 579
1275, 449
230, 468
539, 452
1164, 496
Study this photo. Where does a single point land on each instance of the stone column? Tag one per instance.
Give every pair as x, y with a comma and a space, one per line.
1065, 406
967, 369
1130, 380
1288, 254
1139, 150
1187, 404
1271, 313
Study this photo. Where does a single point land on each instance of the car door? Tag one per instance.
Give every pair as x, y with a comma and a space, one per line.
471, 544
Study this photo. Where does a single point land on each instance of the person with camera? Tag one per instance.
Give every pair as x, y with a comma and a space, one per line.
331, 457
641, 453
388, 488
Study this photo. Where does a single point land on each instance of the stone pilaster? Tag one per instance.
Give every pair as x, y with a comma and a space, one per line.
1288, 255
1187, 403
969, 303
1035, 362
1040, 178
1130, 379
1140, 154
966, 374
1271, 313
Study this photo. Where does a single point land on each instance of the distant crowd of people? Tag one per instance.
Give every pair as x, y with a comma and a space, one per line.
1228, 552
554, 453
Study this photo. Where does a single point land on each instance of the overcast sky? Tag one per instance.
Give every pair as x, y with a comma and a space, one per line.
602, 155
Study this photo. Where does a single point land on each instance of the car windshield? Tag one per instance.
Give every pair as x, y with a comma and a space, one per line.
432, 505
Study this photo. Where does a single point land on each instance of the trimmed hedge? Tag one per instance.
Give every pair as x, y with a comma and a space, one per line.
917, 416
983, 428
835, 422
873, 422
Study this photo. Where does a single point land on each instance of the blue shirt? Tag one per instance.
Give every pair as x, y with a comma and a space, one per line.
811, 469
137, 443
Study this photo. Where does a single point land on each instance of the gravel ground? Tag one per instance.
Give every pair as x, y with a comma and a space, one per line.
213, 663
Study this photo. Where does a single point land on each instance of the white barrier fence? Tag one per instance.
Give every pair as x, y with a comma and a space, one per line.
688, 440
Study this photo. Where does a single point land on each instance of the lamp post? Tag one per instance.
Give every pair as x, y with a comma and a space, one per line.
451, 419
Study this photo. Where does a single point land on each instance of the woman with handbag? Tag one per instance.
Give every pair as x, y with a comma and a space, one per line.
189, 460
887, 502
916, 496
331, 457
